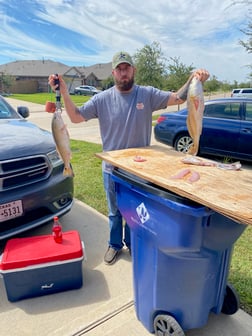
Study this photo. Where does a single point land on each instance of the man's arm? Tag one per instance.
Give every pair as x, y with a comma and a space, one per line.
180, 96
71, 109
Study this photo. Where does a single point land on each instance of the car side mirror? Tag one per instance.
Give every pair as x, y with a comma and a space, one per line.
24, 111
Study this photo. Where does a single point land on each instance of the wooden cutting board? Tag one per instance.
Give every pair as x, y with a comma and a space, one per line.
225, 191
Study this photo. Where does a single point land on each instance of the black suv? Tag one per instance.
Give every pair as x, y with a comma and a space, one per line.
32, 187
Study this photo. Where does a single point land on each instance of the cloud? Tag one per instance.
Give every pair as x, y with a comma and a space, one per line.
87, 32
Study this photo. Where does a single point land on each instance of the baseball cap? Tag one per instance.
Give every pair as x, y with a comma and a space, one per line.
121, 57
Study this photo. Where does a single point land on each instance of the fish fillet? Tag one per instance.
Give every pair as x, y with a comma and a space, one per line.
194, 176
195, 105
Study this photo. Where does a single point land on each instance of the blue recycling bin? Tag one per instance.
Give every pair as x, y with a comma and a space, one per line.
181, 254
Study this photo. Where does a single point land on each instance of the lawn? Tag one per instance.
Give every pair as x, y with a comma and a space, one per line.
89, 189
41, 98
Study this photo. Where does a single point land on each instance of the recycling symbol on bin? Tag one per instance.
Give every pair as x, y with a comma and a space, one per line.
142, 213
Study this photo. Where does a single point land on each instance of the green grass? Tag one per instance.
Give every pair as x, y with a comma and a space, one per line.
41, 98
89, 189
88, 185
240, 274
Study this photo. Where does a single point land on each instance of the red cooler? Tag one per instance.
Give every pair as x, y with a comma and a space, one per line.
38, 265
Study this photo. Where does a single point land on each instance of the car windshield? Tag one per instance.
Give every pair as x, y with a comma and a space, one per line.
7, 112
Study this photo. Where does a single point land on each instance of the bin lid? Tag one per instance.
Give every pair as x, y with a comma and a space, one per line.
23, 252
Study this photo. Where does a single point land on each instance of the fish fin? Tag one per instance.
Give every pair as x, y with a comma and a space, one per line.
68, 171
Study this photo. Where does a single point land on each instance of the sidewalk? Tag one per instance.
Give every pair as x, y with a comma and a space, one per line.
104, 306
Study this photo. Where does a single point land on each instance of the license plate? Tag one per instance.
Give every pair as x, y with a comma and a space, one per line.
11, 210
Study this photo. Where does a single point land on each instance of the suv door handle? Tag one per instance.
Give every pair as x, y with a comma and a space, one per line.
246, 130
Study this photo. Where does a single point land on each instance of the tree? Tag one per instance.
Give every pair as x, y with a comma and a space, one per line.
247, 44
178, 74
212, 84
5, 82
150, 64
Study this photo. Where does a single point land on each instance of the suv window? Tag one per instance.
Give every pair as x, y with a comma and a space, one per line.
224, 111
246, 91
236, 91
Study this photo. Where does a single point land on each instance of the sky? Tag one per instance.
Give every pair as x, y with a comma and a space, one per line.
204, 34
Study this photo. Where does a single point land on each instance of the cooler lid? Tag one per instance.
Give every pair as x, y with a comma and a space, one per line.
23, 252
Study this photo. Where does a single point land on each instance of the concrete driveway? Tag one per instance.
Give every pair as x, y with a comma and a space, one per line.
104, 305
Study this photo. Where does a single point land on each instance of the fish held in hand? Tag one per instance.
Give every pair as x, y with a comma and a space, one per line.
195, 105
62, 141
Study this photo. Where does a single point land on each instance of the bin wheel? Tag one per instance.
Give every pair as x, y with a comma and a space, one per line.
166, 325
231, 301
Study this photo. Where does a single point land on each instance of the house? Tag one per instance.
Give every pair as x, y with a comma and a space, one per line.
32, 76
91, 75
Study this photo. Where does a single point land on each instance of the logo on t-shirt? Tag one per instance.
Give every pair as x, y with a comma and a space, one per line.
140, 106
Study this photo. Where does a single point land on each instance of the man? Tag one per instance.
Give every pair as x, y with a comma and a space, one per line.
125, 118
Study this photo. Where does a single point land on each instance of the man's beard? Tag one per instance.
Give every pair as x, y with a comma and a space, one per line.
124, 86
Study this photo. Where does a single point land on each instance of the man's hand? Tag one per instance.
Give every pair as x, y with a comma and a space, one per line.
54, 86
201, 74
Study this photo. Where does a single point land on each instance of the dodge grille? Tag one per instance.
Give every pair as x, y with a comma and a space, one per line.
20, 172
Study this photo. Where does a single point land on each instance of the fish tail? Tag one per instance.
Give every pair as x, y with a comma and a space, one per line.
68, 171
193, 150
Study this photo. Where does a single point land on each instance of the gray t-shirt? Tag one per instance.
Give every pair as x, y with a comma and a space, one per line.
125, 119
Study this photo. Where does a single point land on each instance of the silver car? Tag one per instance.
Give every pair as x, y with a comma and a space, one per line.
86, 90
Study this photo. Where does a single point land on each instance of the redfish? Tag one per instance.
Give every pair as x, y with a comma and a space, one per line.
62, 141
195, 105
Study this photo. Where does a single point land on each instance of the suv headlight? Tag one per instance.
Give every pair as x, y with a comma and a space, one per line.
54, 158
